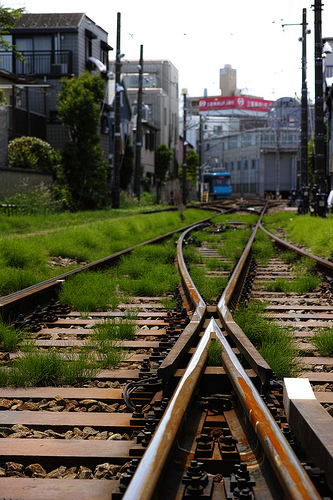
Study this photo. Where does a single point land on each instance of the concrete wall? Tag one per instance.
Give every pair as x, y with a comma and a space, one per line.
12, 178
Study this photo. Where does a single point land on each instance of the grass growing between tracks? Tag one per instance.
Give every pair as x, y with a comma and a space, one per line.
10, 337
214, 353
228, 243
27, 261
323, 341
103, 350
147, 271
313, 233
275, 344
38, 369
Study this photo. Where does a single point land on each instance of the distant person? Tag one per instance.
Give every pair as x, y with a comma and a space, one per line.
330, 202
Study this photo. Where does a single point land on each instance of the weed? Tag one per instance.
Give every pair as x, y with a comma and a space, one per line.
115, 328
19, 253
274, 343
36, 368
214, 353
9, 337
209, 288
289, 256
263, 249
323, 341
80, 236
89, 291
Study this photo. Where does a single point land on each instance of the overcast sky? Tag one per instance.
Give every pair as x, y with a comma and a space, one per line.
199, 38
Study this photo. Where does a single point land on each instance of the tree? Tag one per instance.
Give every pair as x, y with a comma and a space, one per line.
84, 171
162, 162
8, 18
163, 156
192, 162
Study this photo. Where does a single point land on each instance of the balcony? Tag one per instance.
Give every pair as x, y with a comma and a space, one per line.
39, 63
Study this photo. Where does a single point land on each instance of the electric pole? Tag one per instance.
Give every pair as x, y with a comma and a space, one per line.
116, 153
184, 92
319, 147
137, 171
304, 109
319, 102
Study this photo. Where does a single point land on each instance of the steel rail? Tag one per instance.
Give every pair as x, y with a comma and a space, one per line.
41, 293
308, 420
293, 478
326, 264
153, 463
256, 361
295, 482
170, 363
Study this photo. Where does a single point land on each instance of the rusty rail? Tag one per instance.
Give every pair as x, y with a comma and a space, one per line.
256, 361
292, 477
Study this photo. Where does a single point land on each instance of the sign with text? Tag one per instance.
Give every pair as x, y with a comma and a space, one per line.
234, 102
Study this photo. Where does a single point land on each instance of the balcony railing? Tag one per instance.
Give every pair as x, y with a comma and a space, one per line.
51, 63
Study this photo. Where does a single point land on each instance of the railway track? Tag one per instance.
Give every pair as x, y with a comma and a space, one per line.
161, 423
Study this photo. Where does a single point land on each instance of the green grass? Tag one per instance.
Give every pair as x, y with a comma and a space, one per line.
41, 369
263, 249
306, 280
90, 291
274, 343
314, 233
323, 341
115, 328
214, 353
148, 271
84, 240
10, 337
209, 288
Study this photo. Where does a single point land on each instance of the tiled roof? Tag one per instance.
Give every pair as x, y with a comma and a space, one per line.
60, 21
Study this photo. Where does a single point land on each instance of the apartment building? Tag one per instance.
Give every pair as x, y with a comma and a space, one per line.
55, 46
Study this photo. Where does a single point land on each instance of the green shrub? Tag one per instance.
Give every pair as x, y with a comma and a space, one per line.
31, 153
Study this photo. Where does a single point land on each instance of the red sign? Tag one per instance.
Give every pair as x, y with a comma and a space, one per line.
237, 102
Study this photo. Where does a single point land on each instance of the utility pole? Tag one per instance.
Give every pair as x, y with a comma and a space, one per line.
184, 92
319, 101
304, 109
319, 151
137, 171
304, 105
116, 153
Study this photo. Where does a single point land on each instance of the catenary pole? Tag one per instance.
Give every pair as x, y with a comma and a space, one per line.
116, 157
138, 145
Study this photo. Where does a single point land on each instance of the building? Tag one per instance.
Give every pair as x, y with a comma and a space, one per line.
159, 105
262, 161
56, 46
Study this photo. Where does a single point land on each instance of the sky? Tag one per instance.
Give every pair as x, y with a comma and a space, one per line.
199, 38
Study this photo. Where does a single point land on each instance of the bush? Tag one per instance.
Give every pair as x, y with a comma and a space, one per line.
34, 201
31, 153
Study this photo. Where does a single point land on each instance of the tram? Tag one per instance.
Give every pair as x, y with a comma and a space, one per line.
219, 184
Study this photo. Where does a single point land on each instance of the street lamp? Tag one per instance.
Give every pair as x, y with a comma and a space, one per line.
184, 92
